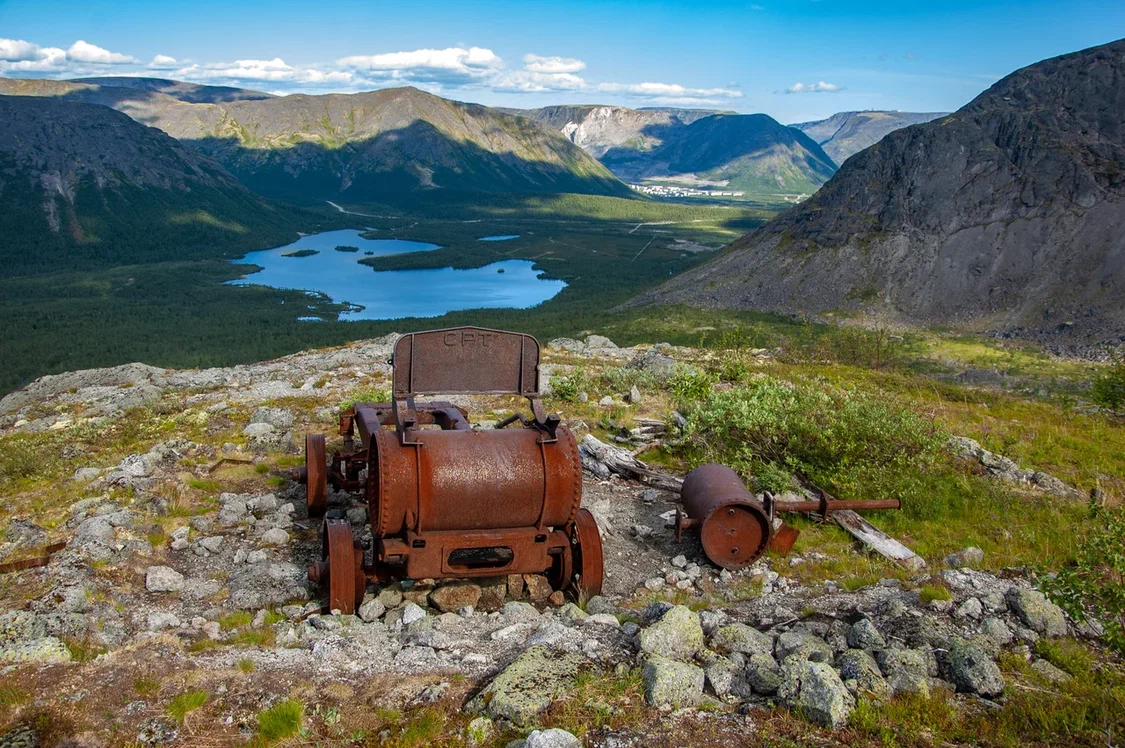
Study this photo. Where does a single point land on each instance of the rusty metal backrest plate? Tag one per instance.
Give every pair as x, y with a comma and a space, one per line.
466, 360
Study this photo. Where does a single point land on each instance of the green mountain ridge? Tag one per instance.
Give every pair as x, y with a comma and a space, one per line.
387, 144
84, 186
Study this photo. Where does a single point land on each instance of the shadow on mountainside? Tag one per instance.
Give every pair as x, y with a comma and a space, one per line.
408, 162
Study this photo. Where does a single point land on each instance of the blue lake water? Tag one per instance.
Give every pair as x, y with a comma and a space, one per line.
390, 294
498, 238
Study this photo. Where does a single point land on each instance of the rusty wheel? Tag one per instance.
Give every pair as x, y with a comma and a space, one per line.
316, 475
588, 562
346, 580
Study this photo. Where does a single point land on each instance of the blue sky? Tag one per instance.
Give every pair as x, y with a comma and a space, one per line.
794, 60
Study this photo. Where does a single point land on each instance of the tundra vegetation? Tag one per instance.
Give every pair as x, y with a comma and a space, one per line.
862, 414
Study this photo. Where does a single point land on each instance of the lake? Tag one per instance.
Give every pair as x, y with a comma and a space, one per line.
390, 294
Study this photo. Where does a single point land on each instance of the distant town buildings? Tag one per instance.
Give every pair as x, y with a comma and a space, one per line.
663, 190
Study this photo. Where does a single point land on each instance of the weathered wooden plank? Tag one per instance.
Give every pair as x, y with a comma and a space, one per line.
877, 540
601, 459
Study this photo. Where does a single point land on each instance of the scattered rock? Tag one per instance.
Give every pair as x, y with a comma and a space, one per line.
973, 671
864, 635
450, 598
859, 666
971, 608
538, 587
163, 579
526, 688
738, 637
1037, 612
672, 683
971, 556
762, 674
551, 738
816, 692
411, 613
480, 729
802, 645
372, 610
275, 537
677, 635
1049, 672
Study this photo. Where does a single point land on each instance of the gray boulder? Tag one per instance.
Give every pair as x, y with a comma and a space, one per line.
1037, 612
551, 738
864, 635
816, 692
762, 675
802, 645
677, 635
738, 637
163, 579
859, 666
528, 686
973, 671
672, 683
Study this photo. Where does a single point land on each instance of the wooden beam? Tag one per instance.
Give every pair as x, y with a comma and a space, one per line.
877, 540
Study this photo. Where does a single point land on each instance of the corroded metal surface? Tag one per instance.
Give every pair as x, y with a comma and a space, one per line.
733, 527
453, 501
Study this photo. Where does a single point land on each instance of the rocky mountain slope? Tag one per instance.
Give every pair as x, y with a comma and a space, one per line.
84, 185
694, 147
1007, 213
193, 93
370, 146
846, 133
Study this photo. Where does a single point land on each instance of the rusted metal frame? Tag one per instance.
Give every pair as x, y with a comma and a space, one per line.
32, 563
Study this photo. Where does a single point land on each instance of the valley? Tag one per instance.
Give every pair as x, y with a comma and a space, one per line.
186, 312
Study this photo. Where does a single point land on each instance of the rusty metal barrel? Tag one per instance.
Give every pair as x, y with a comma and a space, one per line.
472, 480
732, 525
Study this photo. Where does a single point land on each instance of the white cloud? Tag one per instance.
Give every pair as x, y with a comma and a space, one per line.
17, 50
261, 70
454, 66
818, 87
524, 81
437, 70
552, 65
82, 51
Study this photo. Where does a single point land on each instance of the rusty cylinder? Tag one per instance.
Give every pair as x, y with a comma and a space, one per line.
733, 526
472, 480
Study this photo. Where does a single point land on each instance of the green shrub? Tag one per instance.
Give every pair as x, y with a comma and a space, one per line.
689, 384
281, 720
566, 388
862, 445
1094, 584
1108, 390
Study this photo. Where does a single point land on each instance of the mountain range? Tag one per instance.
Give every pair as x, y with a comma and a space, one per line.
1008, 214
379, 145
845, 134
694, 147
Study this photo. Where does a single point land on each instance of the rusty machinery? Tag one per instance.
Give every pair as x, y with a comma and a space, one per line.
451, 501
736, 528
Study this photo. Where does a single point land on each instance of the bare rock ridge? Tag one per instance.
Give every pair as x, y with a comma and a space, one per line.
845, 134
1007, 214
347, 146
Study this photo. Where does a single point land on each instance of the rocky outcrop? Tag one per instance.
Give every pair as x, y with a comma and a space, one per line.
1006, 211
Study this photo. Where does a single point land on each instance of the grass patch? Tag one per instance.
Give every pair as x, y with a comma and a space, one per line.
600, 700
187, 702
254, 638
930, 592
147, 688
205, 484
235, 620
12, 695
83, 650
246, 665
206, 644
280, 721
